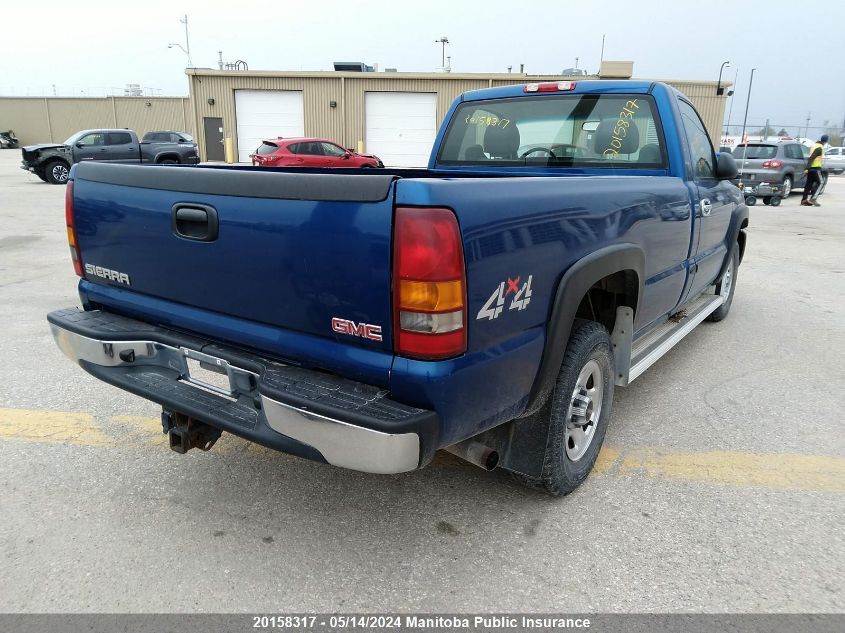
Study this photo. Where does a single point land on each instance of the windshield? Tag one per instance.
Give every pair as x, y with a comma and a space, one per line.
75, 137
555, 131
753, 152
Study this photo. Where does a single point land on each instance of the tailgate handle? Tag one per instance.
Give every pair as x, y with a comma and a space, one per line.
195, 222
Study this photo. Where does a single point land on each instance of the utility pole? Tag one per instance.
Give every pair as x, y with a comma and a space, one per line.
807, 127
601, 59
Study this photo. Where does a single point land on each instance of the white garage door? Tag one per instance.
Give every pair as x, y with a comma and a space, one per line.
400, 127
264, 114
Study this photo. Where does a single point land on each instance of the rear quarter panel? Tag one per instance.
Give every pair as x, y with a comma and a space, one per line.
537, 227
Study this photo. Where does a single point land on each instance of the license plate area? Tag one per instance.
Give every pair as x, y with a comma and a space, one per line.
215, 374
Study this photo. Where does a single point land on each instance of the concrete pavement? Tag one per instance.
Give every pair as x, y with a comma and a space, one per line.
720, 487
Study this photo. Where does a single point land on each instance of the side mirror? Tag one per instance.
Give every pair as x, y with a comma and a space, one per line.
347, 156
80, 145
726, 168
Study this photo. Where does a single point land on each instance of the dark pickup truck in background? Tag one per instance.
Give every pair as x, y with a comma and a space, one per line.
564, 237
52, 161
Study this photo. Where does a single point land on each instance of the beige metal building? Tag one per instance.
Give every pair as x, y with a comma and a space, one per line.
53, 119
394, 115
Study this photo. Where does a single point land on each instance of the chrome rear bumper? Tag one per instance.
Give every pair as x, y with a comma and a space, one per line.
255, 404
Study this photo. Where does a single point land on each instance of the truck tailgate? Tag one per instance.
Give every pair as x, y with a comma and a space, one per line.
293, 251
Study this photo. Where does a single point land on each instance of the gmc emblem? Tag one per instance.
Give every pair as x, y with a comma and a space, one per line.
364, 330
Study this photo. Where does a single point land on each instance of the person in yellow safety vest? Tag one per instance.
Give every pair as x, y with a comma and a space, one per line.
814, 173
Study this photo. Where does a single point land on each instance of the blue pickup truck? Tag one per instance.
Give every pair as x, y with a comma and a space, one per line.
564, 237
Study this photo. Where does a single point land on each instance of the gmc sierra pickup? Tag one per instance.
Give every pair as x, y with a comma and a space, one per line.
51, 162
564, 236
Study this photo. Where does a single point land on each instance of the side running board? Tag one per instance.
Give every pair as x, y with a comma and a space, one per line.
648, 349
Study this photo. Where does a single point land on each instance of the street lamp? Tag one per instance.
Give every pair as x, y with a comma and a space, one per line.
184, 50
187, 48
719, 90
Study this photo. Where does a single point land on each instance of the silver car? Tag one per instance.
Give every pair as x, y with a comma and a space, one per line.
778, 163
834, 160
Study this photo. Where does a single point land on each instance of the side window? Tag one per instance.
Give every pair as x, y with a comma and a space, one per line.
701, 151
118, 138
330, 149
805, 152
294, 148
794, 151
92, 140
315, 149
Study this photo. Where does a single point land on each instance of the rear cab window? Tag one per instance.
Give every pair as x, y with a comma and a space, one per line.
580, 130
118, 138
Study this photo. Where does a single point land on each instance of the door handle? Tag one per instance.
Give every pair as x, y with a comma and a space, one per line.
706, 207
197, 222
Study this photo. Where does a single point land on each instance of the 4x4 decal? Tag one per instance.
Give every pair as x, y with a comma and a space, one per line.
496, 303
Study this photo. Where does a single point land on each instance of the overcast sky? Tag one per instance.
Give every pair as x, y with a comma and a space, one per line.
98, 47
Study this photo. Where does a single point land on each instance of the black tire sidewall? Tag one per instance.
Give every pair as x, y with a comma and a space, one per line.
48, 172
589, 341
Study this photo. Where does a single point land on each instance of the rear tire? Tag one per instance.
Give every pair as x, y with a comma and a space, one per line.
579, 409
750, 200
168, 161
787, 186
726, 287
57, 172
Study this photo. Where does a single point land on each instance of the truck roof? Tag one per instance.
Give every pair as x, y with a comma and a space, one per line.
581, 87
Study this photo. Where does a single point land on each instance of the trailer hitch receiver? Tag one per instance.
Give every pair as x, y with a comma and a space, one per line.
185, 433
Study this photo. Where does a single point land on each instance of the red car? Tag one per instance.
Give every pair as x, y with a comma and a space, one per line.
309, 152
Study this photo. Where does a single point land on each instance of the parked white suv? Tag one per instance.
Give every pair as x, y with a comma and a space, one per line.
834, 160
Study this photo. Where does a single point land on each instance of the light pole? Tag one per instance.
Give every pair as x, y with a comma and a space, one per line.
184, 50
443, 41
719, 90
744, 122
187, 48
731, 109
187, 39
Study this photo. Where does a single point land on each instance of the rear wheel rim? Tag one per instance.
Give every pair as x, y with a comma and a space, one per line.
60, 173
787, 187
727, 281
584, 411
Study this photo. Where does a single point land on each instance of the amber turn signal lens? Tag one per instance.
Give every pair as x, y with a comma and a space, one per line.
431, 296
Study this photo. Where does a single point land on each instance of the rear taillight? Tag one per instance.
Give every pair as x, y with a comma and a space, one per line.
75, 255
429, 284
773, 164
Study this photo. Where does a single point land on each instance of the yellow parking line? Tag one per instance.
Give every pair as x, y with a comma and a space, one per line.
780, 471
60, 427
149, 427
606, 459
784, 471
